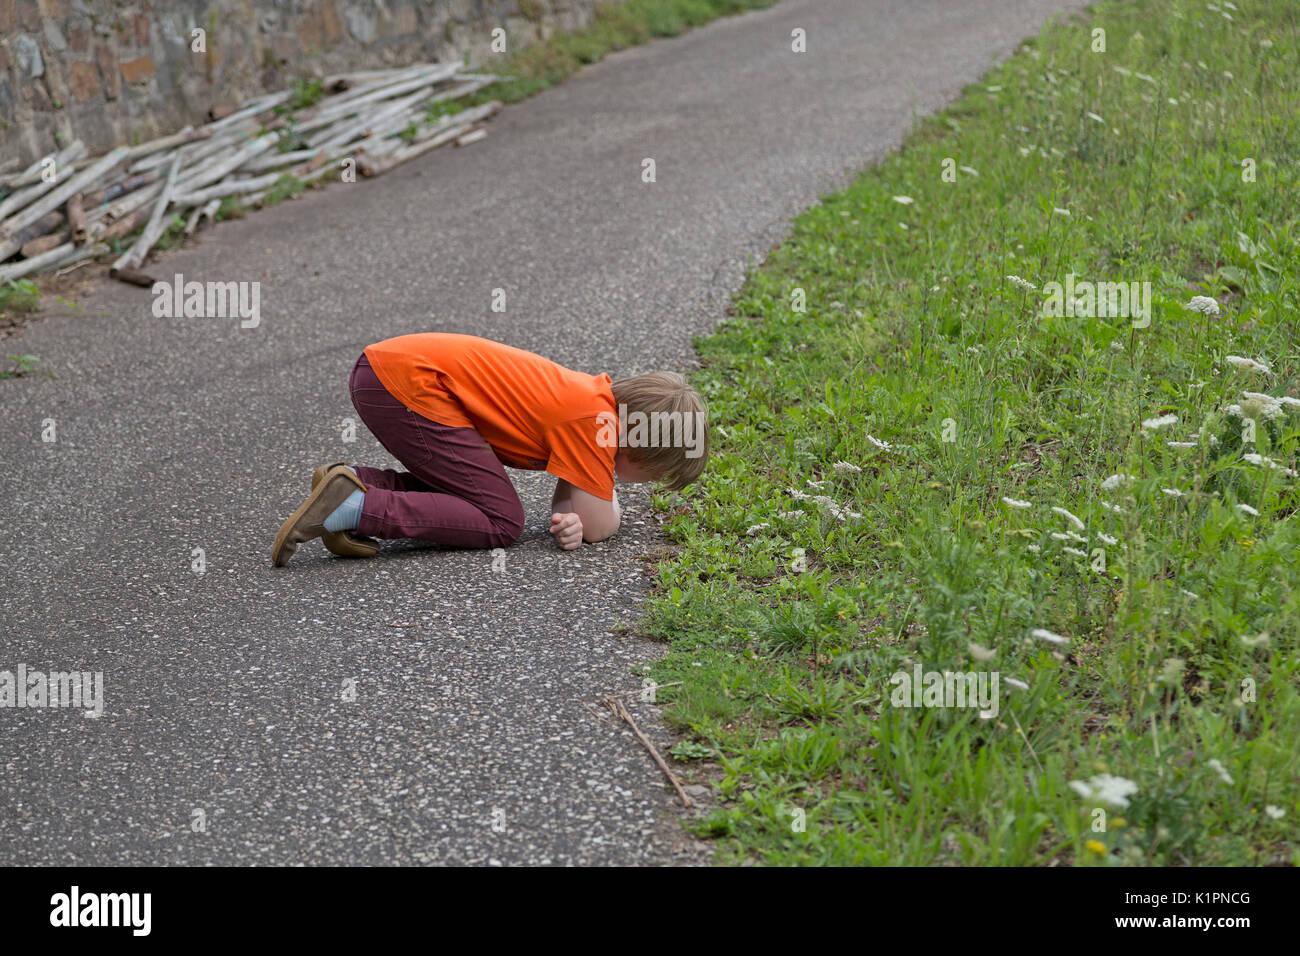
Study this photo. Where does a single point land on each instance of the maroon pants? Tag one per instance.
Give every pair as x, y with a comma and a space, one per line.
454, 490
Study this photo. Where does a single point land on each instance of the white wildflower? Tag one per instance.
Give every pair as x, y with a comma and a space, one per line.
879, 444
1181, 444
792, 515
1218, 768
1016, 503
1257, 459
1258, 405
1109, 789
1018, 684
844, 467
904, 200
1161, 422
1259, 640
1034, 548
1045, 635
1070, 518
1203, 304
1068, 536
1058, 211
1115, 481
756, 528
1110, 507
1107, 539
815, 484
1276, 813
1245, 363
1094, 116
1173, 492
1194, 597
981, 653
1020, 283
1075, 551
831, 505
1288, 401
1247, 509
797, 495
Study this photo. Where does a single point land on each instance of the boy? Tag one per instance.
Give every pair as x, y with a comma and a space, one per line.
453, 409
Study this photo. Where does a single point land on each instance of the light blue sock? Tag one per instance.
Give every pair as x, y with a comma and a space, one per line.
346, 516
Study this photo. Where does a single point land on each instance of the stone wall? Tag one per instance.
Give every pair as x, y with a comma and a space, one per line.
121, 71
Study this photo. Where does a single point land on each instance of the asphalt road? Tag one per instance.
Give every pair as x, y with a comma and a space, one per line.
467, 741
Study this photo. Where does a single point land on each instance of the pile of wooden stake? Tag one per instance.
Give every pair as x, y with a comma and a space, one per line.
67, 209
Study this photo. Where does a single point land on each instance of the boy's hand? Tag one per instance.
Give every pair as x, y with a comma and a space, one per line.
567, 530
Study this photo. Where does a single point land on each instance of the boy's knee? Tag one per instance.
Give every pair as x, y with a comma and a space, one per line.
505, 535
507, 528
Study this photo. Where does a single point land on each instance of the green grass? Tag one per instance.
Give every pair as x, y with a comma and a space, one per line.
230, 208
307, 91
19, 365
436, 111
785, 637
172, 236
19, 295
287, 186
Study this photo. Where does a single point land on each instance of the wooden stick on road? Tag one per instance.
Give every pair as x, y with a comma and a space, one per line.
616, 705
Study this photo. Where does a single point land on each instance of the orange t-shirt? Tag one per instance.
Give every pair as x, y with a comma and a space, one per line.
534, 413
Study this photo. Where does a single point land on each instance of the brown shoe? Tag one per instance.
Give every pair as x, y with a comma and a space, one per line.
343, 543
309, 520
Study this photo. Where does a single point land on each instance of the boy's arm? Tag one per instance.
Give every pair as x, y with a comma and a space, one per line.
599, 518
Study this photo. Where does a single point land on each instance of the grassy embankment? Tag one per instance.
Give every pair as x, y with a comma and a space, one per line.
944, 389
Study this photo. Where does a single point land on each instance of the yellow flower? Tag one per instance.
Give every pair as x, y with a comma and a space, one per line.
1096, 847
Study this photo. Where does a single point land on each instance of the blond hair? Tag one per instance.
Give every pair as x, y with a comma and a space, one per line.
661, 396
